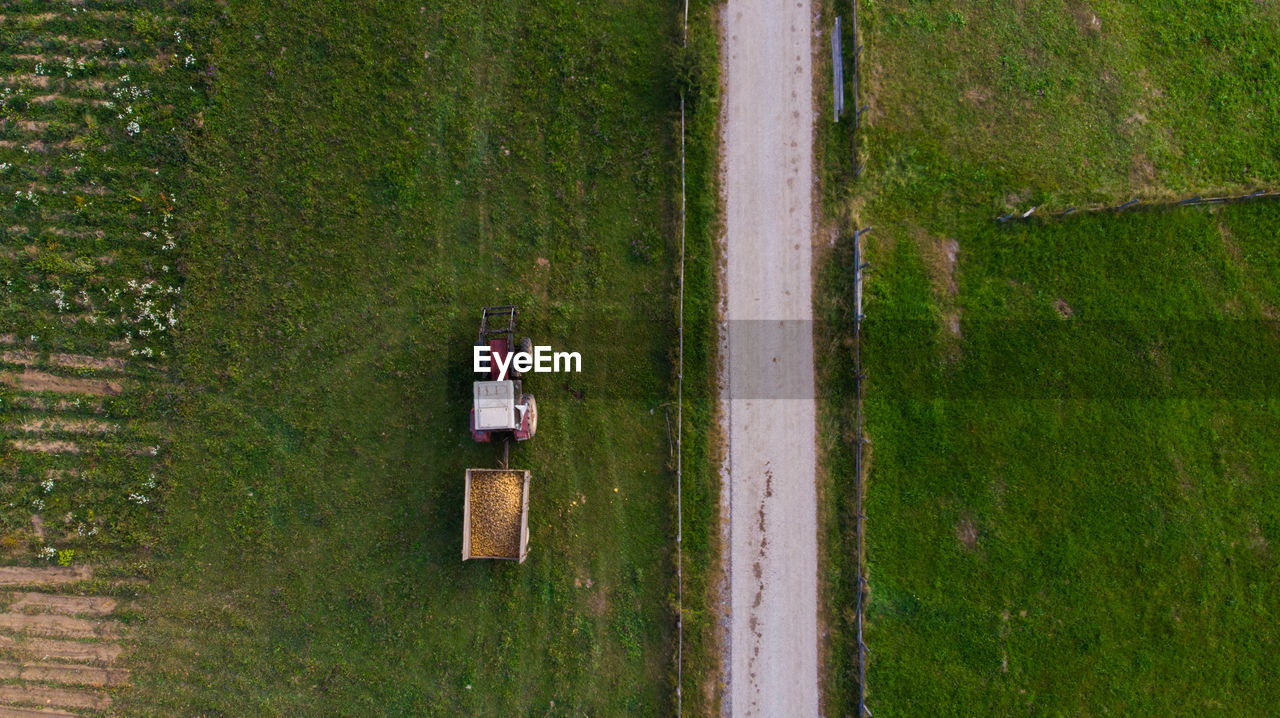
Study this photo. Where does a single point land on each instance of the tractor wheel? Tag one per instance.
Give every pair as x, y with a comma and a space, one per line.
533, 413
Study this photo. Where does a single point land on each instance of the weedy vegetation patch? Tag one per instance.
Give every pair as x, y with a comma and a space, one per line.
97, 105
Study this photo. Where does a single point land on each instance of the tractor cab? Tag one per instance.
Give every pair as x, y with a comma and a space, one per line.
499, 407
495, 408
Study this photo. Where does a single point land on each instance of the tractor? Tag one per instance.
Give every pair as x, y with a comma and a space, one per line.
500, 409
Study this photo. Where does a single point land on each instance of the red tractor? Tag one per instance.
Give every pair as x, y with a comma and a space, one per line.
500, 409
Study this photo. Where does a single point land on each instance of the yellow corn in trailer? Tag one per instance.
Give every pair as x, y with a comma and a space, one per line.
495, 514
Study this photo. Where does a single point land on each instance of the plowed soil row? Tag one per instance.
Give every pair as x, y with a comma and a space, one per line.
57, 650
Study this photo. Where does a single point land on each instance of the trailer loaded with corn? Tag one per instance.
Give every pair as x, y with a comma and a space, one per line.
495, 510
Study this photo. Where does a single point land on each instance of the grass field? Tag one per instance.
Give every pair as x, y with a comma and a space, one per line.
1068, 510
1070, 505
996, 106
366, 181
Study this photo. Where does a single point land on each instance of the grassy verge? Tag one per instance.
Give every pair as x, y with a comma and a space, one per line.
369, 179
699, 74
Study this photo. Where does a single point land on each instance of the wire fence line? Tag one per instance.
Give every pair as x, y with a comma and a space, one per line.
1040, 212
859, 479
838, 79
860, 440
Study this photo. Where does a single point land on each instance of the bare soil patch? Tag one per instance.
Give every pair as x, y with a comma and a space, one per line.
31, 601
46, 446
16, 712
71, 426
84, 361
42, 649
42, 381
1086, 21
50, 696
22, 358
64, 673
598, 602
48, 624
48, 99
967, 533
29, 17
43, 575
978, 95
940, 256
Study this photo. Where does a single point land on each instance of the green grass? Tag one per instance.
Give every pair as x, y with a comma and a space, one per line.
698, 76
365, 182
1105, 473
1004, 105
1073, 515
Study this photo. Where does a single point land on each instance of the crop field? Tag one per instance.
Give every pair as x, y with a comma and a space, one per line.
1068, 504
96, 99
367, 178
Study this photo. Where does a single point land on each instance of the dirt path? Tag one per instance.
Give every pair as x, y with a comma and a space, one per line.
769, 417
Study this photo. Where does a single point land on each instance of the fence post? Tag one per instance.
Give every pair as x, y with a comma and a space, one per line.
837, 73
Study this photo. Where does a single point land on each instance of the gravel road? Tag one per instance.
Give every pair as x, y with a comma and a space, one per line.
769, 419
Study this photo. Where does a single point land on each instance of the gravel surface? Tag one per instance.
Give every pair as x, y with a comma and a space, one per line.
771, 494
